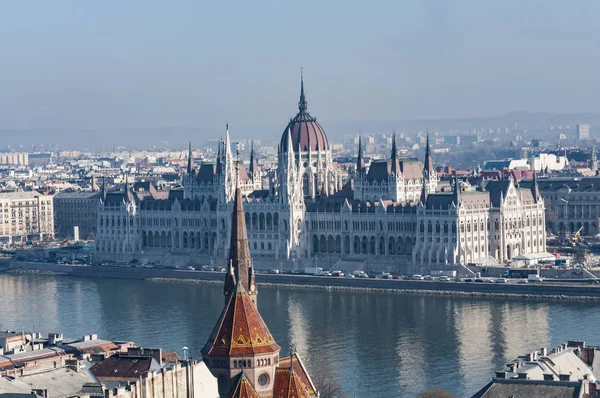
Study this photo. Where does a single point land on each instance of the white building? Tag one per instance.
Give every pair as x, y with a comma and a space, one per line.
25, 216
548, 161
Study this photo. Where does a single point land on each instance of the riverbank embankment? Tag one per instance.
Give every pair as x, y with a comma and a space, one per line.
543, 290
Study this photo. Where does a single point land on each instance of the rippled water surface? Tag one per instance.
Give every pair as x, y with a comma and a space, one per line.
376, 344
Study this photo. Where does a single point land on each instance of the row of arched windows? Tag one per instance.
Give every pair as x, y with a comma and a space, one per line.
362, 245
262, 221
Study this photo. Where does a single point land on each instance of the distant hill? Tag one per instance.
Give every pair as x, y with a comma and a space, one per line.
177, 137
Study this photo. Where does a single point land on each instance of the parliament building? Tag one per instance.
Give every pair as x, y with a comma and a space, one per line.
390, 214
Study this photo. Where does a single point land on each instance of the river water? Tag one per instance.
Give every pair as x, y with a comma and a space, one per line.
375, 344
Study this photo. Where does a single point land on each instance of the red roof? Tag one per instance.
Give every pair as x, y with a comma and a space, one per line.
288, 384
300, 370
244, 389
170, 357
122, 368
305, 130
306, 133
240, 329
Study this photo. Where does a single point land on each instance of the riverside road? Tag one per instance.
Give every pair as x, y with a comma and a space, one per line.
548, 288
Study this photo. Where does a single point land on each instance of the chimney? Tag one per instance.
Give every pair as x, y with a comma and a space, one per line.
576, 343
55, 338
531, 357
543, 352
501, 375
564, 377
548, 376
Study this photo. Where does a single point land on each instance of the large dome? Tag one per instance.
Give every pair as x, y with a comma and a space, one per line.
306, 133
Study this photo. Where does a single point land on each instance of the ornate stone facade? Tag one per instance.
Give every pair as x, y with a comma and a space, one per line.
390, 213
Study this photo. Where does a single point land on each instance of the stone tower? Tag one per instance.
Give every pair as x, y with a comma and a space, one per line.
241, 345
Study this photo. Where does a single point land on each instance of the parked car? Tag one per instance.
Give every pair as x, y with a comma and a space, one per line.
444, 279
417, 277
190, 268
428, 277
502, 280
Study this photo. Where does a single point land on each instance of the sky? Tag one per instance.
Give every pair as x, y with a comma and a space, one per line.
148, 64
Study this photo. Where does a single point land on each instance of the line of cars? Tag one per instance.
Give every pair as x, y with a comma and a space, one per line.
443, 278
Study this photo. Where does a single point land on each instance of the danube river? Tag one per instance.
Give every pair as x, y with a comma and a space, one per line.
375, 344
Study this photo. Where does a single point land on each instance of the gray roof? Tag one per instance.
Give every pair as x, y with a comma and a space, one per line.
590, 184
78, 195
60, 383
503, 388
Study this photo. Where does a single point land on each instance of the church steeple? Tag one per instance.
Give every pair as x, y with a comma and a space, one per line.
239, 252
360, 162
428, 164
253, 166
190, 161
302, 104
394, 156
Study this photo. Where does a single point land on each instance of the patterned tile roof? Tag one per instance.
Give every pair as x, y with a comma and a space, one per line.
300, 370
244, 389
240, 329
288, 384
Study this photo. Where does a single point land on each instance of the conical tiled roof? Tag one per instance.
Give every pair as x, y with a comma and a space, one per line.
240, 329
294, 362
244, 389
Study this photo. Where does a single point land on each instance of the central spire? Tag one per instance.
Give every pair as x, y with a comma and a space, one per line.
302, 104
239, 261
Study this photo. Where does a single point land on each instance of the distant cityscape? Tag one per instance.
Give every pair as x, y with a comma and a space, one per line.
427, 211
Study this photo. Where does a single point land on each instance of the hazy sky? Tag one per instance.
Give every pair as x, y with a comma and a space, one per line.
148, 64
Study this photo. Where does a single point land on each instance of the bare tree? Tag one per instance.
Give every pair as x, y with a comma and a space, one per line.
435, 393
327, 385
